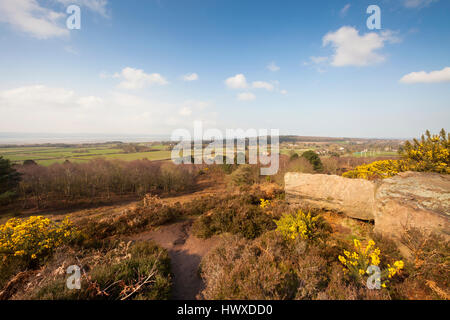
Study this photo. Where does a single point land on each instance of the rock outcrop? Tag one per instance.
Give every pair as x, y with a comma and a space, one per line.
410, 199
353, 197
413, 199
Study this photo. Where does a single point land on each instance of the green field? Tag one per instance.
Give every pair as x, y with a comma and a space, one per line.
375, 154
48, 155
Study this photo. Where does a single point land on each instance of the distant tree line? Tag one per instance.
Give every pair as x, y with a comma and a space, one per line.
100, 178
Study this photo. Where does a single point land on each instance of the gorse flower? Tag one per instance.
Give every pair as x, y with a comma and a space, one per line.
35, 237
431, 153
377, 170
264, 203
357, 262
302, 225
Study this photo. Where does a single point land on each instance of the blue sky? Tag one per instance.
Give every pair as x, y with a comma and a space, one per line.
149, 67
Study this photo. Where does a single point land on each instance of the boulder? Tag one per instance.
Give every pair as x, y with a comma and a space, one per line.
413, 199
408, 200
353, 197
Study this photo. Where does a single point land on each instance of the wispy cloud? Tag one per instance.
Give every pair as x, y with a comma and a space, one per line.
44, 22
273, 67
262, 85
417, 3
344, 10
98, 6
30, 17
190, 77
246, 96
42, 108
137, 79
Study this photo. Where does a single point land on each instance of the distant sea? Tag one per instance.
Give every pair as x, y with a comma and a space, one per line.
42, 138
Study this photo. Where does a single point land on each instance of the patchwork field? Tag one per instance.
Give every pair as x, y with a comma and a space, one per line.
48, 155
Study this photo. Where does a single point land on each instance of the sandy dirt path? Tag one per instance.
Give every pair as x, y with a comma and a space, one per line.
186, 252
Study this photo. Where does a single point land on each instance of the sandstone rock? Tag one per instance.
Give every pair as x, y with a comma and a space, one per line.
354, 197
413, 199
410, 199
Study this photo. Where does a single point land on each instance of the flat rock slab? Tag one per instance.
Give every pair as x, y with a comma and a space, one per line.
354, 197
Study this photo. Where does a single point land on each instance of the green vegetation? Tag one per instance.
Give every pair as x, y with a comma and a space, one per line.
48, 155
430, 154
137, 272
245, 174
9, 180
235, 214
314, 159
301, 225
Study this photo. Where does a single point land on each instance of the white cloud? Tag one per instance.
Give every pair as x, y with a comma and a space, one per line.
273, 67
283, 92
90, 102
417, 3
427, 77
191, 106
190, 77
30, 17
352, 49
137, 79
42, 108
36, 96
237, 82
246, 96
185, 111
42, 22
262, 85
345, 9
318, 60
98, 6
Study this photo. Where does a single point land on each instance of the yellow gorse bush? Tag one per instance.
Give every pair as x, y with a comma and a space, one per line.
431, 153
35, 237
356, 263
300, 224
377, 170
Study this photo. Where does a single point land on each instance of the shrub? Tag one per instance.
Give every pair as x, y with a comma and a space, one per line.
236, 214
151, 212
377, 170
296, 165
293, 156
246, 220
356, 264
331, 165
140, 271
35, 238
431, 153
300, 165
429, 267
300, 224
265, 268
244, 175
314, 159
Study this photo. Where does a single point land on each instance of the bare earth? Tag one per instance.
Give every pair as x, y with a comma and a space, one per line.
185, 251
